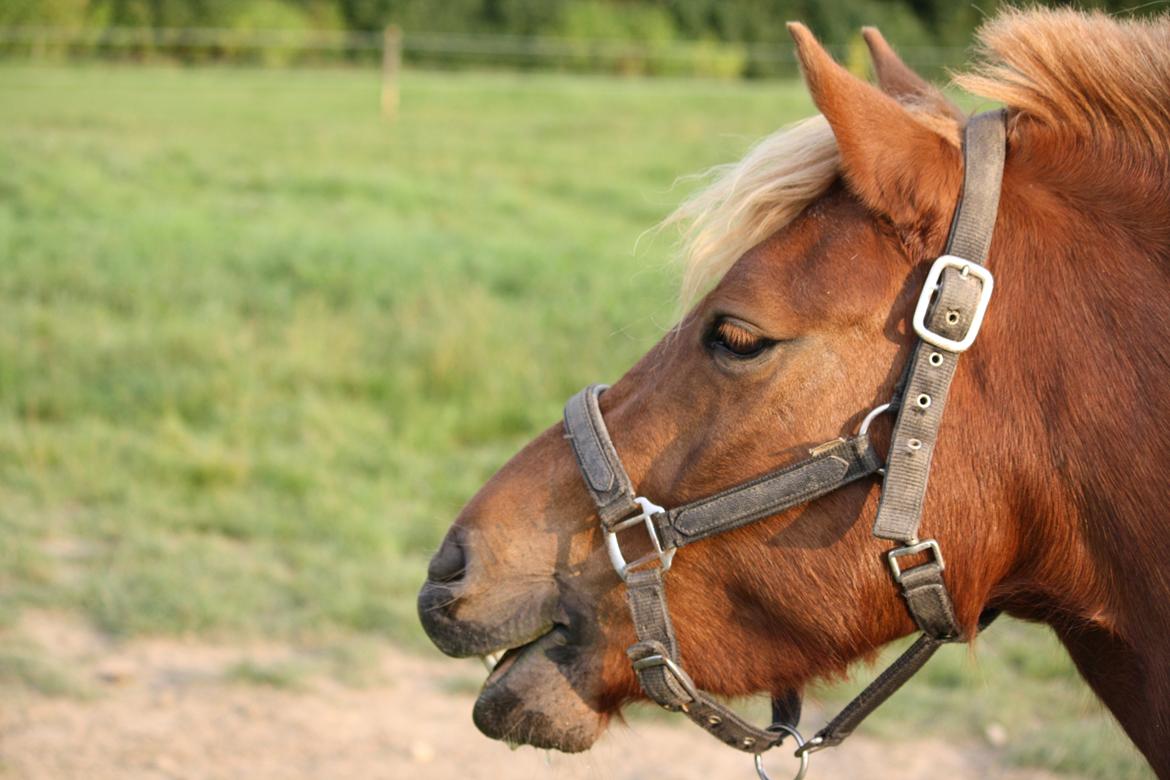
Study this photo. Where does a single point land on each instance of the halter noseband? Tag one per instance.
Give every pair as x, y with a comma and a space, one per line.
946, 320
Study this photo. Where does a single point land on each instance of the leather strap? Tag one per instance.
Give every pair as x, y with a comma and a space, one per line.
984, 152
604, 474
660, 673
883, 687
875, 694
829, 467
927, 383
933, 368
929, 602
655, 656
922, 397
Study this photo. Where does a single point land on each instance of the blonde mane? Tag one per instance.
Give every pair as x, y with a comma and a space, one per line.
750, 200
1099, 78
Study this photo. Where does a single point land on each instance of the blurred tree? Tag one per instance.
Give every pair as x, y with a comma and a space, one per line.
523, 17
726, 20
730, 34
63, 13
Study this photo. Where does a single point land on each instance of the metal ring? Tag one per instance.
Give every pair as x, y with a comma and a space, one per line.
812, 746
874, 413
803, 755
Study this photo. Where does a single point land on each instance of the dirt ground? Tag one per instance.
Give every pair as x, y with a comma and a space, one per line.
174, 709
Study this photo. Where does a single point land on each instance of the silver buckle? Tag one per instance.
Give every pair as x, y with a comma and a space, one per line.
684, 680
913, 548
965, 267
646, 517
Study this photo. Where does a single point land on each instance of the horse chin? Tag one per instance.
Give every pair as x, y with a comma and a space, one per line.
532, 698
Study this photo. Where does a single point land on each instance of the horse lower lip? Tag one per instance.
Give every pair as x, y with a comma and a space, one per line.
504, 660
533, 697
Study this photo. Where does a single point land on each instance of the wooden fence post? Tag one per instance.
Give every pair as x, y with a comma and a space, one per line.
391, 63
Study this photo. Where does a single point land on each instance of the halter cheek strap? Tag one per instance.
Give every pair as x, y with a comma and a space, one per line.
655, 656
947, 319
960, 288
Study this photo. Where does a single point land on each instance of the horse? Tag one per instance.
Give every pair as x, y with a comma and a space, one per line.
803, 263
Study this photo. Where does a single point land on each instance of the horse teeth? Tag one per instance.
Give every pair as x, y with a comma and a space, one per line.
490, 660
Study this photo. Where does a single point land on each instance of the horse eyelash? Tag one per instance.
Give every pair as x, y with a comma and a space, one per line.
737, 337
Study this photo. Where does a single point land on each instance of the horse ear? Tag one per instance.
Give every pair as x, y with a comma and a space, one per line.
901, 162
900, 82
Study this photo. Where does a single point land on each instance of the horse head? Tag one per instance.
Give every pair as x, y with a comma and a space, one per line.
811, 254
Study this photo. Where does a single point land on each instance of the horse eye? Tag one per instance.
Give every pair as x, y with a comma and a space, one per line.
736, 341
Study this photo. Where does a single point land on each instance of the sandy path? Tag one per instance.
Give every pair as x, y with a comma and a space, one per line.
163, 709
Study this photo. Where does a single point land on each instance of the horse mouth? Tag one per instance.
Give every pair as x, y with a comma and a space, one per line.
529, 697
501, 661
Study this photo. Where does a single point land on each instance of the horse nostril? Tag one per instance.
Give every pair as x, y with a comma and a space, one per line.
450, 562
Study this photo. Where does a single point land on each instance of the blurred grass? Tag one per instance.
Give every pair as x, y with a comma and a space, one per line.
284, 675
25, 666
1016, 691
257, 346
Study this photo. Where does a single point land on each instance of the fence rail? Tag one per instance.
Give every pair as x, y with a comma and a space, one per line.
168, 37
425, 47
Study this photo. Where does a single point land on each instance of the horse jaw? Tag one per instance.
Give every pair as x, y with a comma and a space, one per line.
534, 696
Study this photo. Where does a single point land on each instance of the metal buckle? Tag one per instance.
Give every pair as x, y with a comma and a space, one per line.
965, 267
646, 517
913, 548
684, 680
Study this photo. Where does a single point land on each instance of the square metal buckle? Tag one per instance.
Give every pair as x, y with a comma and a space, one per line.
684, 680
932, 279
646, 518
913, 548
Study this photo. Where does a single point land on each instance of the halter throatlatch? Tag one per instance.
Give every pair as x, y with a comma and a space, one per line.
946, 320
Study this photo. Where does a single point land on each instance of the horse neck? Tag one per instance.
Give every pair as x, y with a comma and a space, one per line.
1077, 367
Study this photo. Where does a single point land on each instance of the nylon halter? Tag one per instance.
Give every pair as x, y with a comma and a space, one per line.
947, 320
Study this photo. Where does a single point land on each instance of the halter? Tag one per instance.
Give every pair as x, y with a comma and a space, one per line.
947, 320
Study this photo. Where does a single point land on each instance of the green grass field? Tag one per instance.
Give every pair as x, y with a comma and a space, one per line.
257, 346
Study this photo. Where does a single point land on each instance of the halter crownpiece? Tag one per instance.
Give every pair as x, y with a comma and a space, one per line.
947, 320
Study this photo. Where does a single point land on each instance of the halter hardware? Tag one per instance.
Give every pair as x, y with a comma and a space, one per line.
801, 753
947, 319
914, 547
664, 556
965, 268
681, 677
872, 415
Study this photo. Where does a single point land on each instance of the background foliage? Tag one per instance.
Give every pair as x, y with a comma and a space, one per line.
735, 37
258, 346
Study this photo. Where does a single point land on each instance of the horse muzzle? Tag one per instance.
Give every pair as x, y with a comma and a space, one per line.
441, 608
538, 691
465, 620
